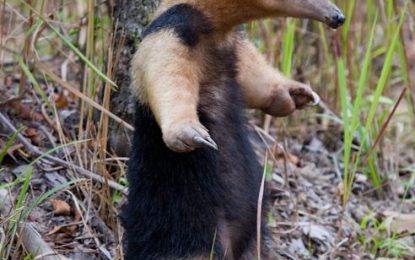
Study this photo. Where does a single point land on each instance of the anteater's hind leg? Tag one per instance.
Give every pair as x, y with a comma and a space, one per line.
252, 252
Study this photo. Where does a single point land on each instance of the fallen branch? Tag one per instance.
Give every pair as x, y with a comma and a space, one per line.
32, 240
2, 238
34, 244
34, 150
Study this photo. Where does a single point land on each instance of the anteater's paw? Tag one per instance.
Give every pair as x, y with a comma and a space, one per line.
286, 98
303, 95
187, 136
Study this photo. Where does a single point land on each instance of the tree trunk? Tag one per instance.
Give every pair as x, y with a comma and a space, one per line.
130, 19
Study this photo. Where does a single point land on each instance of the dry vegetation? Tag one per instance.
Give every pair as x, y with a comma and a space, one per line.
341, 175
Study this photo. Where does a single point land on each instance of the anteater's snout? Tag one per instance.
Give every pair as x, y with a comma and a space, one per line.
336, 19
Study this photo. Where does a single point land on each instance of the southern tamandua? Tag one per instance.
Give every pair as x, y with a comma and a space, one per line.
193, 175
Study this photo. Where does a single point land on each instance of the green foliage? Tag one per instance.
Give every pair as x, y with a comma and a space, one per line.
368, 124
288, 47
8, 144
375, 236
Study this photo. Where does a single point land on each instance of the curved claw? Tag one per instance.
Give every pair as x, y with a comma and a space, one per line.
316, 99
208, 142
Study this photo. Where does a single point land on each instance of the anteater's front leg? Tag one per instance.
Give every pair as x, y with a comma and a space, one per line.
166, 78
265, 88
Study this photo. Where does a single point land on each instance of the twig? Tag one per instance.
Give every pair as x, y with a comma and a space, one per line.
9, 50
14, 62
259, 209
6, 122
34, 244
100, 247
12, 99
385, 125
2, 238
53, 124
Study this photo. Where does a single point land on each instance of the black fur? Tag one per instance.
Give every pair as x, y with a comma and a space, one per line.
176, 200
186, 21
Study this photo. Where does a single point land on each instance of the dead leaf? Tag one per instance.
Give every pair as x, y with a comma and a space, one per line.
54, 230
76, 219
339, 191
12, 149
61, 208
281, 155
21, 171
8, 81
319, 234
25, 111
60, 101
66, 230
399, 223
30, 132
297, 247
34, 136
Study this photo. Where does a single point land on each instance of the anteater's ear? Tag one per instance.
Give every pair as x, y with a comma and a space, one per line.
321, 10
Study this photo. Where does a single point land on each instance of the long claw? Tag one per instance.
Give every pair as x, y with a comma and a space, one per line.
208, 142
316, 99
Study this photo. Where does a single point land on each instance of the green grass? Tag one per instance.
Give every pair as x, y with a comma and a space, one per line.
379, 241
288, 48
8, 144
351, 124
368, 124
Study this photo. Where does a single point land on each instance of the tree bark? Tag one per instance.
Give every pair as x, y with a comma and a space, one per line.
130, 19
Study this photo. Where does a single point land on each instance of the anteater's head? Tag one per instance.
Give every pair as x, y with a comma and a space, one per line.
226, 14
320, 10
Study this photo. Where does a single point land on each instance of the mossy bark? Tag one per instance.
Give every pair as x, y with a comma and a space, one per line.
130, 19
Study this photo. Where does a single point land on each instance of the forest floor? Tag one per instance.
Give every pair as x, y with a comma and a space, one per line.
310, 221
307, 218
